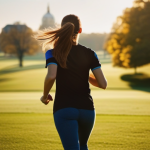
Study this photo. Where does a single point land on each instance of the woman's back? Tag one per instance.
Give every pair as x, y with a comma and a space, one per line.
72, 86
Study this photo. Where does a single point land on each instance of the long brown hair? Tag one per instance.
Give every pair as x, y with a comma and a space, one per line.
61, 39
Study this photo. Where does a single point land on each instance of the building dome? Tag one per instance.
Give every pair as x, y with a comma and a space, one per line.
48, 20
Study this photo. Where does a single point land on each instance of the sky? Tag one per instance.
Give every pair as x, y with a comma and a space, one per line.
97, 16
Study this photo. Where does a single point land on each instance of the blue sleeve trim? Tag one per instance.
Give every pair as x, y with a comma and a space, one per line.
48, 54
96, 68
96, 55
51, 63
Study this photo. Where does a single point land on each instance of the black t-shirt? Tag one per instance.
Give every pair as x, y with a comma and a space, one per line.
72, 86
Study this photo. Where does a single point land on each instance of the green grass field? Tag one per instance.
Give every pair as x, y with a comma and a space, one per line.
27, 131
31, 76
122, 120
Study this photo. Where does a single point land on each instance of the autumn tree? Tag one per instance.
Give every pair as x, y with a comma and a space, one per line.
17, 40
129, 42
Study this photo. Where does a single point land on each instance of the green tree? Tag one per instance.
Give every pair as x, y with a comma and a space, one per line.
129, 42
17, 40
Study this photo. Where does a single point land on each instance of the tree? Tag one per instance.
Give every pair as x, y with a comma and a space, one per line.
129, 42
17, 40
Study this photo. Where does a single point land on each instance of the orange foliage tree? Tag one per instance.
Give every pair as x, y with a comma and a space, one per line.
17, 40
129, 42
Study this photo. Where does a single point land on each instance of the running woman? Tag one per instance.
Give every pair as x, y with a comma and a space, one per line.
69, 64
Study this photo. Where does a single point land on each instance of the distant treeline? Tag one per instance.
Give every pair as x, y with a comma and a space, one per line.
94, 41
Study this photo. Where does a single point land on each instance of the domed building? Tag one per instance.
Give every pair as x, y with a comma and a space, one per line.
47, 20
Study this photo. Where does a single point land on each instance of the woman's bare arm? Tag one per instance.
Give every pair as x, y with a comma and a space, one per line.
97, 79
49, 81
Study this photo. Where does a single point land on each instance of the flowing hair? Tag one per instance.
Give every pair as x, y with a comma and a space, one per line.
60, 39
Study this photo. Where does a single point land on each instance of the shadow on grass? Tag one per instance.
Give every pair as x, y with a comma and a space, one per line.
15, 68
139, 81
4, 79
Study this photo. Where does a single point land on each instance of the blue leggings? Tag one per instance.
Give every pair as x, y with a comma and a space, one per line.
74, 127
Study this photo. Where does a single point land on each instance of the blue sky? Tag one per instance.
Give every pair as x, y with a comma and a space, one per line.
95, 15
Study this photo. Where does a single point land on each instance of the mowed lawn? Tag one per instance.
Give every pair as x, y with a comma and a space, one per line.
122, 120
31, 76
27, 131
128, 102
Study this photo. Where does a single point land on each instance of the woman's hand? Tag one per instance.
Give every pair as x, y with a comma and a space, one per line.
47, 99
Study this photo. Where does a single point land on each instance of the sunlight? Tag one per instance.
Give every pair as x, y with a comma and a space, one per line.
96, 15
